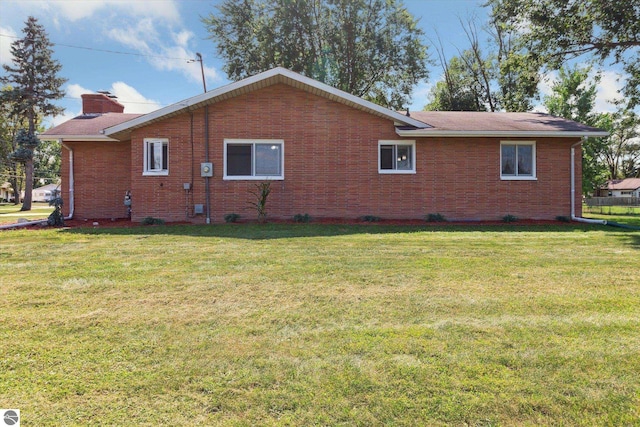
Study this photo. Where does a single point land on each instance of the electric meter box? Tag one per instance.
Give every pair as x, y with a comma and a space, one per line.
206, 170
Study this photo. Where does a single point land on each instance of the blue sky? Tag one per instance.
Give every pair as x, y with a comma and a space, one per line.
139, 49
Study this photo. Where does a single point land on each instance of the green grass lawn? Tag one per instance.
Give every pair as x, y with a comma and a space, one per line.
321, 325
627, 215
611, 210
630, 220
10, 213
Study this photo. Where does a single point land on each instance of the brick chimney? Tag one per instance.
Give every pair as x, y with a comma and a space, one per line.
100, 103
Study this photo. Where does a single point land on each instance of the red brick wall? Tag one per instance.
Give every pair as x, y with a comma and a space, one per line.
331, 154
101, 177
100, 103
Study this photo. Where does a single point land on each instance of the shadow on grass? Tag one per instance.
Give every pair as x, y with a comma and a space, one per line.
631, 238
271, 231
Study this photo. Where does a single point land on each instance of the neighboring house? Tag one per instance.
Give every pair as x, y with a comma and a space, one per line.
44, 193
326, 153
6, 192
628, 187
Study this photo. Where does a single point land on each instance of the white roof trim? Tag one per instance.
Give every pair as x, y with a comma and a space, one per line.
73, 138
278, 73
416, 133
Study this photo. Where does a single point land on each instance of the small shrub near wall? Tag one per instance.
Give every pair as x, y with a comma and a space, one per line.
231, 217
152, 221
509, 218
302, 218
435, 217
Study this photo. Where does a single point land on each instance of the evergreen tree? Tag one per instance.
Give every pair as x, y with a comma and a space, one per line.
34, 85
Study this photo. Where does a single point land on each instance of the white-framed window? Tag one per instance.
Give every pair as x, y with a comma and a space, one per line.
257, 159
518, 160
396, 157
156, 156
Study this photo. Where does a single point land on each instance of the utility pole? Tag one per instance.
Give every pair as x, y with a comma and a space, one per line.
199, 59
206, 141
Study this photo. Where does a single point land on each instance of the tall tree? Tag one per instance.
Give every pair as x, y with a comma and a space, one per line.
370, 48
560, 30
34, 86
573, 97
456, 91
518, 71
10, 123
480, 66
498, 76
621, 152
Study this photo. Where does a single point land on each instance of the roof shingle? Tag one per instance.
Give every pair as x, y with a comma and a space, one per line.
486, 121
88, 124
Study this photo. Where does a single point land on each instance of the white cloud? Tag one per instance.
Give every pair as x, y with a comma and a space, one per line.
138, 37
609, 88
152, 28
182, 37
133, 101
188, 67
5, 44
146, 39
75, 10
420, 95
75, 91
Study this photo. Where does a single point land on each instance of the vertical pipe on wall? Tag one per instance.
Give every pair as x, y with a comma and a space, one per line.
573, 190
189, 192
206, 159
71, 182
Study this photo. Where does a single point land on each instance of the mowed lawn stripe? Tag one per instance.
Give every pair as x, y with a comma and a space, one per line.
321, 325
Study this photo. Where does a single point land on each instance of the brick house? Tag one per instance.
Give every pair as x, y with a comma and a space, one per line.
326, 153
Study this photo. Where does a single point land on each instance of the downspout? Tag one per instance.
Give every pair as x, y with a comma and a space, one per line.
206, 159
71, 182
573, 190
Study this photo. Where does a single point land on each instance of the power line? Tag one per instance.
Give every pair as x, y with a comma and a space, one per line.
118, 99
108, 50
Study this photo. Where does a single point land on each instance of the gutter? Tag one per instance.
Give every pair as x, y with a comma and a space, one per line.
206, 159
446, 133
573, 191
